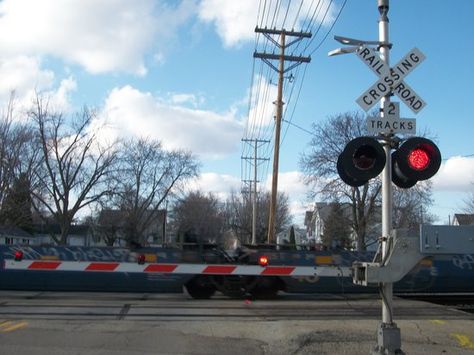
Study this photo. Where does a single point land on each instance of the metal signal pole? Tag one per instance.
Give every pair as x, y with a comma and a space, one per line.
254, 183
279, 104
388, 334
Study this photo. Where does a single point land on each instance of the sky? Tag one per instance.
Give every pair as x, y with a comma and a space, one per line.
183, 72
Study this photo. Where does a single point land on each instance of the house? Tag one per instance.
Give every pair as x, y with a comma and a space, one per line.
79, 235
117, 221
11, 235
284, 236
463, 219
322, 211
309, 224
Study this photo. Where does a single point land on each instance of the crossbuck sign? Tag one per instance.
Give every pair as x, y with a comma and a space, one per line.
390, 79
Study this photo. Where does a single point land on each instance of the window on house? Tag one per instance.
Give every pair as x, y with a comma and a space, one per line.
8, 241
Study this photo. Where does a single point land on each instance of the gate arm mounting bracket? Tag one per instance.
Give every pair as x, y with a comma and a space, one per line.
404, 256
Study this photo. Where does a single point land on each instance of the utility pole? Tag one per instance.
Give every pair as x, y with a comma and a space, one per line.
255, 181
281, 70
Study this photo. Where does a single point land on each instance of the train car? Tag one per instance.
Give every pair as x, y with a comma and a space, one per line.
204, 270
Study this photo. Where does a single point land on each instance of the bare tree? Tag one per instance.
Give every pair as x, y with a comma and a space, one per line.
199, 217
74, 165
18, 149
410, 206
319, 165
146, 176
19, 158
469, 201
239, 215
337, 229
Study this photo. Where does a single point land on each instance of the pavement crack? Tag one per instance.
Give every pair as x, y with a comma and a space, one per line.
420, 331
124, 311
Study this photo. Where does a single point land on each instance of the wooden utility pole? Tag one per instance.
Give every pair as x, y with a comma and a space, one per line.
267, 57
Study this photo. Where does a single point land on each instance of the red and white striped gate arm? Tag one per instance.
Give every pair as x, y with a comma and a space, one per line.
205, 269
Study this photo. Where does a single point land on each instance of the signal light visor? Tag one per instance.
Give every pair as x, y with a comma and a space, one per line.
417, 159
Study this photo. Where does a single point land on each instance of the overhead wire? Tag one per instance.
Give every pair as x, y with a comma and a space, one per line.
260, 122
330, 28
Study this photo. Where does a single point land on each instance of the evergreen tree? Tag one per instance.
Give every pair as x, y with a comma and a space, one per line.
292, 238
337, 229
17, 207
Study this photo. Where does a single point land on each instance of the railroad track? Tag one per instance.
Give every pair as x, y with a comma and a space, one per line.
179, 307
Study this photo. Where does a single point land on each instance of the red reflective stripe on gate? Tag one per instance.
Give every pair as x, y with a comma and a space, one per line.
44, 265
102, 266
160, 268
278, 270
219, 269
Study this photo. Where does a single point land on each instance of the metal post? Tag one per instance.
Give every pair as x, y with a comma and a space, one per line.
254, 201
389, 340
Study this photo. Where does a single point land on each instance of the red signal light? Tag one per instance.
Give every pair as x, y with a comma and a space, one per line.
18, 255
418, 159
263, 260
141, 259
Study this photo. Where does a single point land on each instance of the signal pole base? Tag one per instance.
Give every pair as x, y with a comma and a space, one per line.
388, 340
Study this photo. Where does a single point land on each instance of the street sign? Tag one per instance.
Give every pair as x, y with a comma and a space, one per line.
409, 97
390, 79
391, 110
376, 125
391, 121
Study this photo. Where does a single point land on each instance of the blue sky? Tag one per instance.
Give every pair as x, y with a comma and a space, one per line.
181, 72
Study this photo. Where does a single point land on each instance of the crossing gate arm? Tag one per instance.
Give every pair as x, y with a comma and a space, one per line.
203, 269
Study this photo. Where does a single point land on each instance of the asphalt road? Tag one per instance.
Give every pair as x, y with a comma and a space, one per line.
48, 323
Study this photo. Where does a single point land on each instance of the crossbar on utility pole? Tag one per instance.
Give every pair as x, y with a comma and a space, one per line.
282, 57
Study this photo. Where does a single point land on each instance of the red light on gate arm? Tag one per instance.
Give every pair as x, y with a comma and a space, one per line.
418, 159
141, 259
18, 255
263, 260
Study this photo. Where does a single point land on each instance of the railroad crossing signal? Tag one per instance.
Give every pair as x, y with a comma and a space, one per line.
363, 159
417, 159
390, 79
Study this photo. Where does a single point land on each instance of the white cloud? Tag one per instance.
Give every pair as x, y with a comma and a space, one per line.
23, 77
191, 99
456, 174
291, 183
22, 74
128, 111
235, 21
100, 36
220, 185
262, 109
60, 99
